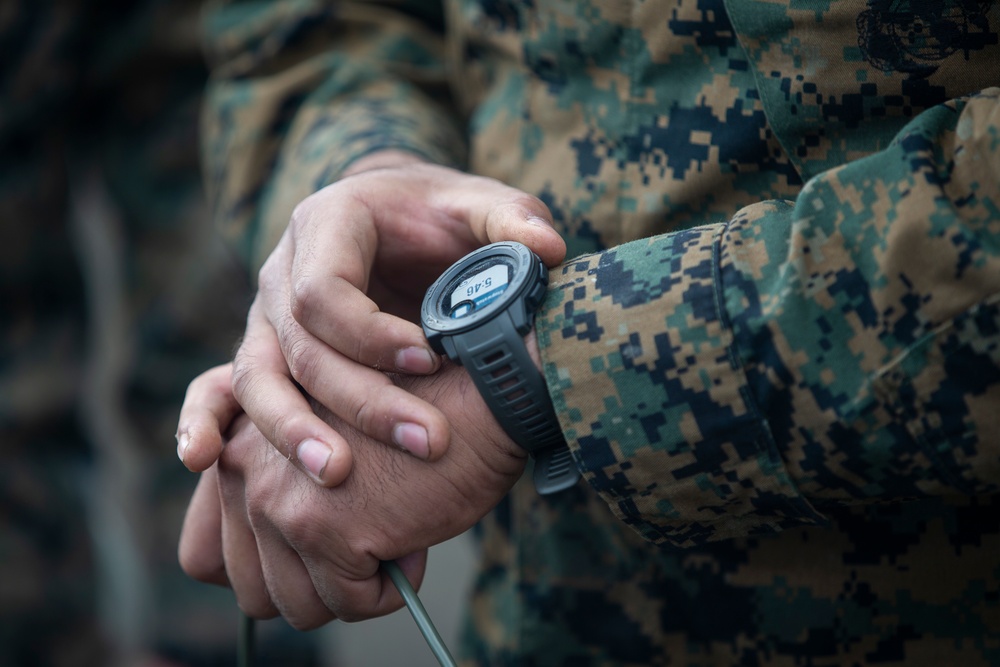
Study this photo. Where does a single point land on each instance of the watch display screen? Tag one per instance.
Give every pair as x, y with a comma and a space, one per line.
480, 286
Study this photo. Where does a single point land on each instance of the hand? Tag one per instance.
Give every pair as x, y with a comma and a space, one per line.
312, 554
337, 303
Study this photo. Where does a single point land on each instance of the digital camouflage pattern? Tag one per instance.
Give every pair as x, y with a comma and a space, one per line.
115, 293
783, 389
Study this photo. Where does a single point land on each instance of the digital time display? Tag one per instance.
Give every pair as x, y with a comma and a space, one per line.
478, 290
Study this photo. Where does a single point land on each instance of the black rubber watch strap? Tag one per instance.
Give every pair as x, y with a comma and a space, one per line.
510, 384
555, 470
499, 363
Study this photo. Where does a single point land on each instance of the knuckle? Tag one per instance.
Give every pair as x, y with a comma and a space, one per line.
283, 429
303, 298
302, 359
267, 275
495, 218
244, 380
368, 343
265, 505
370, 416
217, 379
258, 513
273, 274
302, 213
242, 374
304, 530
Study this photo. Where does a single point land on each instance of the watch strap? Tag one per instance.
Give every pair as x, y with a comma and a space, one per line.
512, 387
555, 470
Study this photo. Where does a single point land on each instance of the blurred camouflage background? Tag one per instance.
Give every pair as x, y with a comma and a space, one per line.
115, 292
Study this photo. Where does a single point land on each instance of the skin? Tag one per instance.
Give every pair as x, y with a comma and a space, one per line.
287, 545
337, 306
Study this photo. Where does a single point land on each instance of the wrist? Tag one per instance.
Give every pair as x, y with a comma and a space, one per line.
480, 312
473, 424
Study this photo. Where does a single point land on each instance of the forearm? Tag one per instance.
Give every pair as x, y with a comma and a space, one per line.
741, 375
300, 92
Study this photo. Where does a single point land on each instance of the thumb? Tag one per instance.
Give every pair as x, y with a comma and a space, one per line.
498, 212
509, 222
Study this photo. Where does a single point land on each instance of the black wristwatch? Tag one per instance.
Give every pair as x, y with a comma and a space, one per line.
478, 313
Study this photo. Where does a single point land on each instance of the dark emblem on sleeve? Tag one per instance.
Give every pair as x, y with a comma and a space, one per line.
914, 36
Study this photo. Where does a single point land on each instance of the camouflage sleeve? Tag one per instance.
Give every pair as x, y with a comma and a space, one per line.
737, 378
301, 88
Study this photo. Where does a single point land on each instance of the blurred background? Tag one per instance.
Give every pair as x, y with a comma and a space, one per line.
115, 291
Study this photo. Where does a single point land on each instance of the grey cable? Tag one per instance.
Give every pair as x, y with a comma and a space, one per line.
246, 653
245, 650
423, 620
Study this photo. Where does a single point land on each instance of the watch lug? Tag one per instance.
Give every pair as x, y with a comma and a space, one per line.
435, 339
521, 317
448, 348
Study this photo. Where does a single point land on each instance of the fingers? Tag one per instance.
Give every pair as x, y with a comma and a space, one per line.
200, 548
406, 224
322, 276
497, 212
208, 409
280, 549
369, 597
263, 386
365, 398
282, 544
368, 336
243, 567
290, 587
288, 583
425, 196
314, 322
239, 544
223, 542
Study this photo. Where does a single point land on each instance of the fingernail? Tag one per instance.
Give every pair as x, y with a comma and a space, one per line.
313, 455
412, 438
415, 360
182, 444
536, 220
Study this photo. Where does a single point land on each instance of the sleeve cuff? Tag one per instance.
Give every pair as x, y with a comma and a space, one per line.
652, 398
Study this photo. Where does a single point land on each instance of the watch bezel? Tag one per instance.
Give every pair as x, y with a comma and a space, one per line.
524, 268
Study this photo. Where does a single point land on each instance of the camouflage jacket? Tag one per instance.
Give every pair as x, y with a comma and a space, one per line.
775, 352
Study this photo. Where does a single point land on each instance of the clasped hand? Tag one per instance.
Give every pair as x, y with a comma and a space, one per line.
335, 311
287, 545
337, 306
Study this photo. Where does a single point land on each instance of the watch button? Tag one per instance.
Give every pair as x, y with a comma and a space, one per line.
537, 292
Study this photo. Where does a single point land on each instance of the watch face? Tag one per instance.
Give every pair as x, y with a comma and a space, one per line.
477, 287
